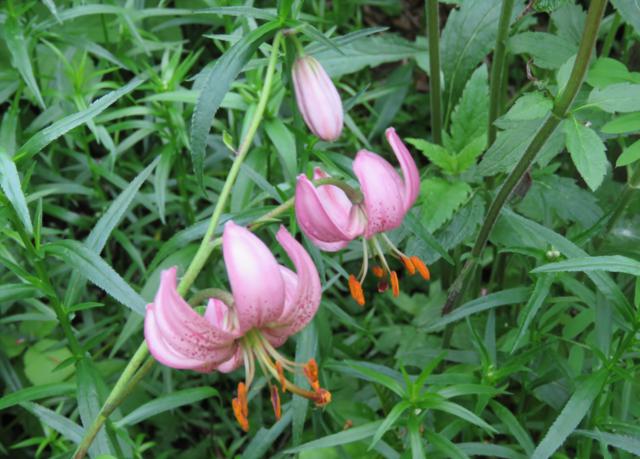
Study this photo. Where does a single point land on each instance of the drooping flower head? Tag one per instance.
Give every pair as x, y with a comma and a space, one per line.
331, 220
267, 304
318, 99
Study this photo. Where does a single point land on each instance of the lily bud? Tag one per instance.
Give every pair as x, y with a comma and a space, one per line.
318, 99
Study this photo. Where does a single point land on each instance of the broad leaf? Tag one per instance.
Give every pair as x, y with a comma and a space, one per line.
587, 152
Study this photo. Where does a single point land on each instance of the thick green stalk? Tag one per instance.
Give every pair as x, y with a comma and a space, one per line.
433, 31
560, 107
498, 67
137, 366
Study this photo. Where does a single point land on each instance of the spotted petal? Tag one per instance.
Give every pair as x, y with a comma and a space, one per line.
179, 337
254, 275
383, 191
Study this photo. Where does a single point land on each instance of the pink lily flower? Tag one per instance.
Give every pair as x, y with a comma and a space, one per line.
331, 220
268, 303
318, 99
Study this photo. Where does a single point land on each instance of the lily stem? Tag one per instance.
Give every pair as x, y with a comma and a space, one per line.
498, 67
139, 365
560, 107
433, 32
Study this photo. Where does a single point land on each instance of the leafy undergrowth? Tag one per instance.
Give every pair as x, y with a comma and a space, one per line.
119, 123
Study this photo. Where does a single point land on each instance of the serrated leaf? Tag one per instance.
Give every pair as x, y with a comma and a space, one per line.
619, 441
606, 71
43, 138
548, 51
97, 271
531, 106
17, 45
628, 10
29, 394
365, 51
12, 189
623, 124
468, 155
470, 118
341, 438
571, 415
587, 152
395, 413
629, 155
620, 97
440, 199
509, 146
214, 83
611, 263
445, 446
535, 302
569, 21
413, 225
89, 404
102, 230
469, 34
437, 155
167, 402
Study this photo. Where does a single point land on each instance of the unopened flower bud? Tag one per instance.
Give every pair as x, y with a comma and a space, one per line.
318, 99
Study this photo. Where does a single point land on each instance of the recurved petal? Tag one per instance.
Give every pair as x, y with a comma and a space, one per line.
383, 192
254, 275
178, 336
408, 166
217, 313
234, 362
303, 289
323, 220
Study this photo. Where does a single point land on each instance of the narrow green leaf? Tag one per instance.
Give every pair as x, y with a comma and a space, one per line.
587, 152
458, 411
514, 427
285, 144
89, 404
306, 348
102, 230
413, 225
43, 138
571, 415
17, 45
340, 438
537, 298
389, 421
57, 422
445, 445
10, 184
166, 403
625, 442
611, 263
29, 394
94, 268
14, 292
265, 437
415, 438
493, 300
215, 82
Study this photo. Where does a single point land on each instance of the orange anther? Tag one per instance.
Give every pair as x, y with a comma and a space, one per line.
377, 271
238, 412
409, 266
275, 401
395, 285
281, 378
356, 290
322, 397
311, 372
421, 267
